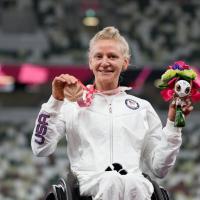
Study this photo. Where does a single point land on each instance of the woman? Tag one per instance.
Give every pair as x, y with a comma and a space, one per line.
112, 135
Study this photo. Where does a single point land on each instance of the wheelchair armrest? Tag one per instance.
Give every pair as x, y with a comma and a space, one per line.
68, 190
159, 192
58, 191
73, 184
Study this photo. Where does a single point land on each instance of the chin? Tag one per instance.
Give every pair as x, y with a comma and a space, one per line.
107, 79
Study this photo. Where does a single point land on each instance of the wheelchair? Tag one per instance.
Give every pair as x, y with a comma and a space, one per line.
69, 190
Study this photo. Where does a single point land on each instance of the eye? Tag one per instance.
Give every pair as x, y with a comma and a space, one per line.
112, 56
178, 88
98, 56
187, 90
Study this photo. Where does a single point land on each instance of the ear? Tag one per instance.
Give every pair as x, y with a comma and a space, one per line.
90, 62
125, 65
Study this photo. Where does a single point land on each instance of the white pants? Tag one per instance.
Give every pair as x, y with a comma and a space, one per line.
111, 185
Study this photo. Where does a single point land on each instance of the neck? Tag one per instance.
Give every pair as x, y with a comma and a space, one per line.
111, 92
105, 87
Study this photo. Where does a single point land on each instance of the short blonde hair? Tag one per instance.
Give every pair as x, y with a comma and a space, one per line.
111, 33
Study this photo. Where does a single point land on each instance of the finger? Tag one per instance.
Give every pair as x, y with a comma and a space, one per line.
59, 80
187, 105
187, 100
74, 80
173, 103
187, 110
69, 79
65, 77
183, 104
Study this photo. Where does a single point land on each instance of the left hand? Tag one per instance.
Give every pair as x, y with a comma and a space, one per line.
186, 108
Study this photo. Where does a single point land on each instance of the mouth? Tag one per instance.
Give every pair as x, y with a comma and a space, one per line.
106, 71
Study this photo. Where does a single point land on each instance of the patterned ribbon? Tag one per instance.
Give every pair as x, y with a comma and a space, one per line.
87, 97
88, 94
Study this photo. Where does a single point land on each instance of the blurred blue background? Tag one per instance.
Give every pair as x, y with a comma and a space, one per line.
42, 38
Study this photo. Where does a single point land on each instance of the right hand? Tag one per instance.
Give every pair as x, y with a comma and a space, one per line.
59, 83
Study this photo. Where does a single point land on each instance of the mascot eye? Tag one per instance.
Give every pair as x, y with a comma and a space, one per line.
178, 88
187, 90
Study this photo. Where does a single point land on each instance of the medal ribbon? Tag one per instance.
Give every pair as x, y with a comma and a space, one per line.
87, 97
88, 94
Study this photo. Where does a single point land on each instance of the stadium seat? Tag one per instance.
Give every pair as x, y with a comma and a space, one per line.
69, 190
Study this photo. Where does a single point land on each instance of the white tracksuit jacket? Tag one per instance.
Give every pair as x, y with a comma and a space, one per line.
120, 128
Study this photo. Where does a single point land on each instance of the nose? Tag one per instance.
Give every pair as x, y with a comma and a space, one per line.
105, 62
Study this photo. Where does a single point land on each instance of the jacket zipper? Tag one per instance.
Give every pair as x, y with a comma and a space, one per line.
111, 133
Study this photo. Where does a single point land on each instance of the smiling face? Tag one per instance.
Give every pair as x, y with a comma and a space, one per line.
107, 61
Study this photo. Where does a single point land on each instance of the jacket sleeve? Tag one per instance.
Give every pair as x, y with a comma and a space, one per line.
161, 144
49, 128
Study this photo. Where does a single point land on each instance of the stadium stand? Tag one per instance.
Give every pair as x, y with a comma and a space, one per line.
158, 31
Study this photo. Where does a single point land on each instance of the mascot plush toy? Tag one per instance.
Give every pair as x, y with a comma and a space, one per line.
178, 83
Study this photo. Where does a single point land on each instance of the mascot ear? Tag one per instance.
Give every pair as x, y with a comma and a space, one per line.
114, 166
117, 166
